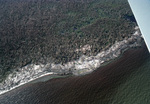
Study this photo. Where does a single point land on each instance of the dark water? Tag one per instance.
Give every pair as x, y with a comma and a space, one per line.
124, 81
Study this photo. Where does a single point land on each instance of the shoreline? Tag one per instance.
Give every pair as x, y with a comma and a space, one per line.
48, 76
85, 65
13, 88
99, 86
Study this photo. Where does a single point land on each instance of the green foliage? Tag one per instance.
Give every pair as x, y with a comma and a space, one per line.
36, 31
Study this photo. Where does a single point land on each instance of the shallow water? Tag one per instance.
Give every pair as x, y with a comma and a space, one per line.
124, 81
136, 89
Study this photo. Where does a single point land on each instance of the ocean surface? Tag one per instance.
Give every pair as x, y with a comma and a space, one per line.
124, 81
84, 65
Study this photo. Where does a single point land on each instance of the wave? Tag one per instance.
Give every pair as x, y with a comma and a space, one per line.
84, 65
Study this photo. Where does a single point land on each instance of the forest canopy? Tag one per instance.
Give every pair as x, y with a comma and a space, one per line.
39, 31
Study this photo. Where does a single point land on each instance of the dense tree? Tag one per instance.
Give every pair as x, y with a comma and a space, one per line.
35, 31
